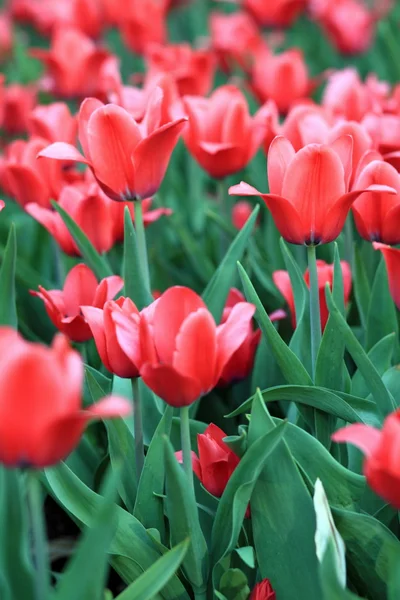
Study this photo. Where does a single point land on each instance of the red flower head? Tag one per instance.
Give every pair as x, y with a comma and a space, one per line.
41, 419
347, 96
6, 36
392, 260
380, 447
143, 23
236, 39
183, 352
80, 287
240, 213
309, 200
384, 130
27, 180
128, 160
282, 77
86, 15
17, 103
101, 322
221, 134
377, 216
263, 591
53, 122
279, 13
325, 275
192, 70
89, 208
74, 64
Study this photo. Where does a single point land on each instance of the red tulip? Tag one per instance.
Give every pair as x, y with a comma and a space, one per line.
309, 200
86, 15
221, 134
240, 213
104, 330
392, 260
377, 216
89, 208
74, 64
279, 13
347, 96
192, 70
41, 420
384, 130
143, 23
53, 122
17, 103
129, 161
27, 180
325, 275
283, 78
80, 287
263, 591
216, 461
380, 447
6, 36
184, 353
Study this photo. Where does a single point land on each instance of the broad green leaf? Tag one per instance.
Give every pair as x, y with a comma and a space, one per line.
135, 287
8, 309
233, 586
285, 552
184, 521
225, 276
149, 508
382, 317
132, 549
148, 585
362, 291
291, 367
93, 259
16, 569
380, 356
331, 587
383, 399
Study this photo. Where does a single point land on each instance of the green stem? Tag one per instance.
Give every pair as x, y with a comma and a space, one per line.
315, 318
141, 242
138, 427
349, 240
38, 532
186, 446
224, 202
200, 594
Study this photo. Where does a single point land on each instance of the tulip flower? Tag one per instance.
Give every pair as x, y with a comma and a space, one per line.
128, 161
377, 216
282, 78
392, 260
221, 134
279, 13
6, 36
17, 103
41, 420
27, 180
240, 213
384, 130
103, 327
53, 123
143, 23
89, 208
73, 63
347, 96
308, 196
80, 287
325, 275
192, 70
380, 448
263, 591
183, 352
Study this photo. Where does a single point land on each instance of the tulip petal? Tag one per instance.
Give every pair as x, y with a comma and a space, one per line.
343, 146
79, 288
88, 106
107, 289
287, 219
107, 408
366, 438
175, 389
195, 462
63, 151
243, 189
232, 334
26, 186
280, 155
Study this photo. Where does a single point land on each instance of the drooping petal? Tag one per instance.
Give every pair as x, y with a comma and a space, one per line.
243, 189
366, 438
63, 151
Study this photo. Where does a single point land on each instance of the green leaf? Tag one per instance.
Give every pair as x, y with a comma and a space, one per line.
149, 509
93, 259
380, 356
184, 522
234, 501
332, 590
383, 399
362, 289
16, 570
85, 574
291, 367
283, 520
8, 309
349, 408
224, 277
132, 549
233, 585
147, 586
247, 555
382, 317
135, 286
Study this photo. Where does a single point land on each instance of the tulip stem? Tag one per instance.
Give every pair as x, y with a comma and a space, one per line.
38, 536
141, 243
315, 318
186, 446
138, 427
348, 240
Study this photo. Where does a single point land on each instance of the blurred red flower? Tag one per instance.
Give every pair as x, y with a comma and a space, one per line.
53, 122
263, 591
392, 260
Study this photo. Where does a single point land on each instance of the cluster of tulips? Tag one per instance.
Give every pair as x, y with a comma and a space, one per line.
232, 355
